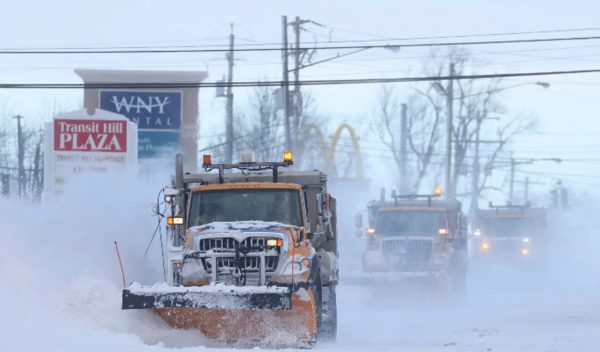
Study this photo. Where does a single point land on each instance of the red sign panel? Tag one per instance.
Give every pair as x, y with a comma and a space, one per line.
90, 136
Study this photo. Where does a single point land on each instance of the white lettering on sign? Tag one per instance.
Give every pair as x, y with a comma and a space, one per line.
140, 104
90, 136
100, 142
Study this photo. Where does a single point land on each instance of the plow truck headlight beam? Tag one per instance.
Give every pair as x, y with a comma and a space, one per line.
274, 242
485, 246
443, 231
370, 231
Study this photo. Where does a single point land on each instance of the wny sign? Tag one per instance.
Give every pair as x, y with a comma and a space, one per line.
77, 144
157, 114
163, 104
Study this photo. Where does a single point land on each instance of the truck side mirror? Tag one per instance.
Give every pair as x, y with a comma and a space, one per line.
153, 209
320, 204
358, 221
463, 222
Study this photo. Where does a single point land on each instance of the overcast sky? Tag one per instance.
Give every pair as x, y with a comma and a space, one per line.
567, 111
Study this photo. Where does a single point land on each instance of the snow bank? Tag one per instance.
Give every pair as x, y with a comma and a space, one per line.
61, 283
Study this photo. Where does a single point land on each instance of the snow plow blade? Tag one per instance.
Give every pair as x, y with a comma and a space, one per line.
217, 296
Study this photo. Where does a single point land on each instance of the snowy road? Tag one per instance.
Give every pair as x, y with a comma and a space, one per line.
61, 292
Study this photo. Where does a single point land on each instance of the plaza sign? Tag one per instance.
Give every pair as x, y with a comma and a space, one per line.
77, 143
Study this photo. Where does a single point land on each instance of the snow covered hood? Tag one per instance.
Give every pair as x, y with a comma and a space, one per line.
246, 226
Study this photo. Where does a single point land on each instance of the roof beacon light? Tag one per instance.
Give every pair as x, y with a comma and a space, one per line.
206, 160
248, 157
288, 157
437, 192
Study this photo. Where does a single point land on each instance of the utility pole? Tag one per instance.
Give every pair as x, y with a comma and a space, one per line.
512, 178
37, 182
297, 96
449, 130
403, 150
286, 84
229, 108
476, 168
526, 190
20, 156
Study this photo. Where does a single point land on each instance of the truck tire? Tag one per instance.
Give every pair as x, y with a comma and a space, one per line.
328, 328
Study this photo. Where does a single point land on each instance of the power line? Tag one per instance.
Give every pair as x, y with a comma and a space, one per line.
461, 35
329, 47
383, 38
279, 83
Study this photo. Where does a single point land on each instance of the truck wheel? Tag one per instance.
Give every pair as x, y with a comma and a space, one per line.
459, 285
328, 328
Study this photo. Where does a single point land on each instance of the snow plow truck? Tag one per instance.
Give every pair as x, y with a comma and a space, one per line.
252, 255
510, 234
416, 241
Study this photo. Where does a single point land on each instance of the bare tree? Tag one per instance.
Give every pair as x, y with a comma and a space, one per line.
424, 134
474, 102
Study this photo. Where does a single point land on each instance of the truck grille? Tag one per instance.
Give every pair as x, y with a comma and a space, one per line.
248, 264
413, 250
506, 246
227, 244
247, 246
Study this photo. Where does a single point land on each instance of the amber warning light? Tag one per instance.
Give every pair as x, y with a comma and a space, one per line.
288, 158
206, 160
172, 220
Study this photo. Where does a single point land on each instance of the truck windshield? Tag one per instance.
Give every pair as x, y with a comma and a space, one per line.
410, 223
509, 227
277, 205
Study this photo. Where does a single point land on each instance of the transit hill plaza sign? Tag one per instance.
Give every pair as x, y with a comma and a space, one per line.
108, 136
167, 118
78, 143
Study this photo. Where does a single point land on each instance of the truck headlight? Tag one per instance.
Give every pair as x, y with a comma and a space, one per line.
274, 242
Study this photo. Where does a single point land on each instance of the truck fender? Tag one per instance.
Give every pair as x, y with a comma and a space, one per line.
329, 268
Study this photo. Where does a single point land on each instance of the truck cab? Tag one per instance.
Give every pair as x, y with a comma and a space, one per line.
417, 236
505, 233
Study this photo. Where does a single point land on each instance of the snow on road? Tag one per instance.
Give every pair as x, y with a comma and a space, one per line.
61, 291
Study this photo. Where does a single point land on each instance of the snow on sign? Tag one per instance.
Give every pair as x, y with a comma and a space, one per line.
77, 144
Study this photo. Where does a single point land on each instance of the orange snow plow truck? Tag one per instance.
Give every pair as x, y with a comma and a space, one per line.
252, 255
